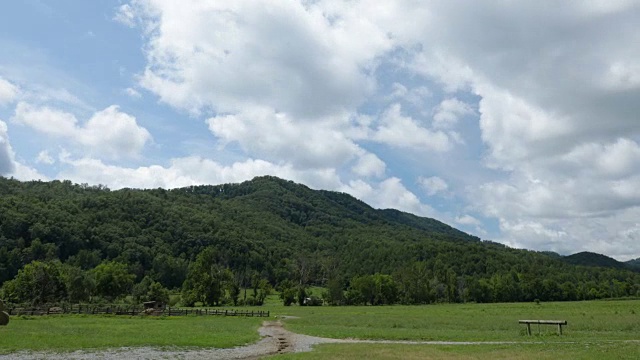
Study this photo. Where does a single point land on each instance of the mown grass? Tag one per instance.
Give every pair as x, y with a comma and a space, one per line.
592, 320
72, 332
582, 351
597, 330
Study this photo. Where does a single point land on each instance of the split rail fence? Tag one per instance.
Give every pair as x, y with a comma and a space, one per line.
131, 311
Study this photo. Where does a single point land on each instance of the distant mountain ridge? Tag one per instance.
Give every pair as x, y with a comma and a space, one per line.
282, 231
635, 263
587, 258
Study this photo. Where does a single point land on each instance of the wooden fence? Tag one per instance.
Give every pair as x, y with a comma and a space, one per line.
131, 311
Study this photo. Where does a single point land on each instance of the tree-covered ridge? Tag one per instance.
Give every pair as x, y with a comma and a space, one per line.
266, 233
635, 263
592, 259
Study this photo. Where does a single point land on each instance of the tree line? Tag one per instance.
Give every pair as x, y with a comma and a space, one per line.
237, 243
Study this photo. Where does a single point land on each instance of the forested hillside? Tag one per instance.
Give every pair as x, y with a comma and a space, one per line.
635, 263
61, 241
592, 259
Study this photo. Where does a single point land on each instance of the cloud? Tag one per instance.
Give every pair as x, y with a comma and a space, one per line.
389, 194
7, 165
415, 96
186, 171
26, 173
547, 90
109, 132
8, 92
467, 220
448, 112
182, 172
125, 15
550, 88
45, 158
433, 185
615, 160
133, 93
278, 137
53, 96
398, 130
369, 165
293, 57
516, 131
557, 115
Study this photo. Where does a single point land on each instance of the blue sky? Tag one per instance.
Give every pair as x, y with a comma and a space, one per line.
514, 122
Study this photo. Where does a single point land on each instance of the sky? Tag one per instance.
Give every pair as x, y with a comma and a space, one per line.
515, 121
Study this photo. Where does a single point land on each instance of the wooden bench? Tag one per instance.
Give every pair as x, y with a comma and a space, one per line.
559, 323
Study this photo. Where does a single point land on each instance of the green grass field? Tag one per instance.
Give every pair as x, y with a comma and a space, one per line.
592, 320
72, 332
586, 351
596, 330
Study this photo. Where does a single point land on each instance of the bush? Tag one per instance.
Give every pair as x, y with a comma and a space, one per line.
314, 301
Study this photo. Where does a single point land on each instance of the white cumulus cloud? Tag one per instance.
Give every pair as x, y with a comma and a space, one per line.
449, 112
291, 56
369, 165
261, 132
109, 132
433, 185
8, 92
7, 165
125, 15
399, 130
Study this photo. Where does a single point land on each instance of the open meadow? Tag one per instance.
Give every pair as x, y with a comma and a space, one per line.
595, 330
72, 332
587, 321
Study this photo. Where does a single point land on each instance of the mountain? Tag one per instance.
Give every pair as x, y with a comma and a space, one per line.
279, 231
592, 259
635, 264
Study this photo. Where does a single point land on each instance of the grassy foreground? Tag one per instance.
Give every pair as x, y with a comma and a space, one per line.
597, 330
599, 351
588, 321
72, 332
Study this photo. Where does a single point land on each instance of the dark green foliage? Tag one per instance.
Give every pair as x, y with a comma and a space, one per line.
206, 280
37, 283
634, 264
113, 280
334, 295
288, 292
149, 290
592, 259
233, 289
301, 295
377, 289
79, 284
271, 232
